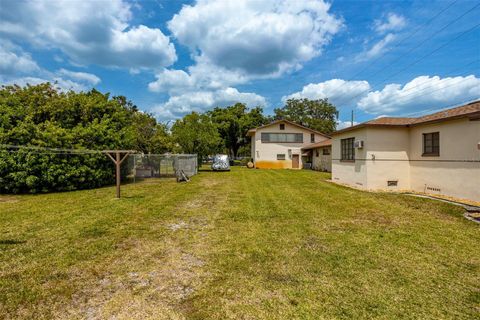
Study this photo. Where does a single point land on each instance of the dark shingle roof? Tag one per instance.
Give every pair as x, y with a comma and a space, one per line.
471, 109
324, 143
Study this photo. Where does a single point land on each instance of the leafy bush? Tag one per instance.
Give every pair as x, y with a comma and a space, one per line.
46, 117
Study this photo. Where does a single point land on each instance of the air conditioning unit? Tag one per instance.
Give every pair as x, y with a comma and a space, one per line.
359, 144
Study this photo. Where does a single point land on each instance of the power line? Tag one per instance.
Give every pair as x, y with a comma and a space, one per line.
417, 60
457, 104
402, 99
403, 40
429, 38
416, 47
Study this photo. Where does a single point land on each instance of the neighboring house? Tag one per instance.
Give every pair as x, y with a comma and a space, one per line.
436, 154
278, 145
320, 155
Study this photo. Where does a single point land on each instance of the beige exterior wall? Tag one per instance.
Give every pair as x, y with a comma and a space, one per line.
386, 152
265, 154
456, 172
395, 154
322, 162
352, 173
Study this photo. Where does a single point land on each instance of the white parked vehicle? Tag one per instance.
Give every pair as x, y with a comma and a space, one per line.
221, 162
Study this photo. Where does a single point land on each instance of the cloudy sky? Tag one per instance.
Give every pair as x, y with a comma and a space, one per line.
171, 57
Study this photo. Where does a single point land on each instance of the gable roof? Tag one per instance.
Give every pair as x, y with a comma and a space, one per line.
324, 143
471, 109
252, 131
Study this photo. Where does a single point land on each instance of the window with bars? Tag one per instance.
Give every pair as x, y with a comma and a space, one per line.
281, 156
348, 149
431, 144
282, 137
326, 151
312, 137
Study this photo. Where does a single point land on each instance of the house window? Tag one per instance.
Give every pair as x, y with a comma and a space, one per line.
431, 144
348, 150
281, 156
282, 137
317, 153
282, 126
326, 151
312, 137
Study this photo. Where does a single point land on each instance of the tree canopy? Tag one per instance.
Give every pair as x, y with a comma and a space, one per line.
43, 116
319, 115
196, 133
233, 122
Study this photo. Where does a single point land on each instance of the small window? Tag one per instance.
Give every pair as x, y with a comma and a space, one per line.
317, 153
281, 156
392, 183
326, 151
282, 126
348, 149
312, 137
431, 144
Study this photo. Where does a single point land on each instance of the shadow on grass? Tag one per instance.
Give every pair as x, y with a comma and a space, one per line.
11, 241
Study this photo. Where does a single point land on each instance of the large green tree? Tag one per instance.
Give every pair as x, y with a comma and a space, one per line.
319, 115
196, 133
46, 117
233, 122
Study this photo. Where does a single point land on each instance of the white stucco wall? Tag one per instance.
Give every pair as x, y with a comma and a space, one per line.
391, 153
386, 152
265, 154
456, 172
352, 173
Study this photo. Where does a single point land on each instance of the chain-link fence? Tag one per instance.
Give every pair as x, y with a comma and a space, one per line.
141, 166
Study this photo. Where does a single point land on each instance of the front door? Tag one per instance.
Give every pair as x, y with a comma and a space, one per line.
295, 161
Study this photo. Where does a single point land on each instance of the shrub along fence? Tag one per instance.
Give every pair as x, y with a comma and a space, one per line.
36, 170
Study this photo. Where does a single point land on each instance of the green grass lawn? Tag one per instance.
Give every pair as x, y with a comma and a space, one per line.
245, 244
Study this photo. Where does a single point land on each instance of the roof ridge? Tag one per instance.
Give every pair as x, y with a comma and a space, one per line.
452, 113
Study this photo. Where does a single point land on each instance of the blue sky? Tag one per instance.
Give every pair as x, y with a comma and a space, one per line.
377, 58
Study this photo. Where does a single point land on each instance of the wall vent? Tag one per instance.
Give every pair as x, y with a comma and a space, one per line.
433, 189
392, 183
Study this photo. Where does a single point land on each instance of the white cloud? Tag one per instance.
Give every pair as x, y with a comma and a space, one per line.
234, 42
255, 38
14, 60
63, 79
377, 49
393, 22
80, 76
200, 101
420, 93
345, 124
387, 28
336, 90
58, 82
172, 81
89, 32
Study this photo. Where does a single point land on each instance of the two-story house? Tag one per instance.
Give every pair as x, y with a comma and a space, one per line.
278, 145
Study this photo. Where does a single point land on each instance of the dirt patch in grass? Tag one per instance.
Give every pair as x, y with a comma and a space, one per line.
8, 200
155, 285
